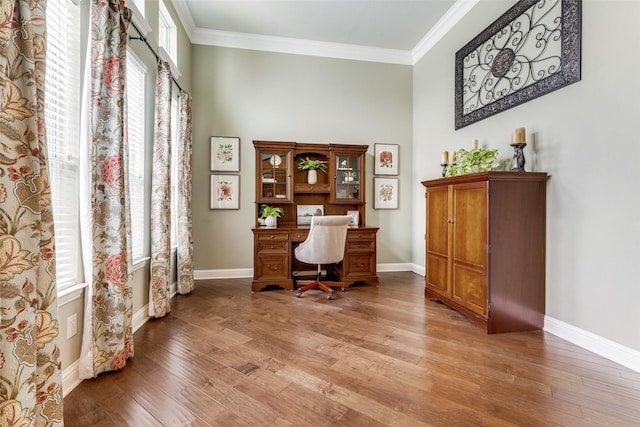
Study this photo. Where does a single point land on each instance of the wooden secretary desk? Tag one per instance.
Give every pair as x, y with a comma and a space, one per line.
340, 191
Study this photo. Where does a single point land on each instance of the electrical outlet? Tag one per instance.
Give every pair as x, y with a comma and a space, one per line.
72, 325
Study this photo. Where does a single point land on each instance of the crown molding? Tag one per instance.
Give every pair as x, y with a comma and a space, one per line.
449, 20
299, 46
185, 17
323, 49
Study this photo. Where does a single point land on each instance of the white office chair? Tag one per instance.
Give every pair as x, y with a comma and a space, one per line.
324, 245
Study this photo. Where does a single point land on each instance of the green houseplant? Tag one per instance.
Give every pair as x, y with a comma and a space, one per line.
312, 166
271, 215
474, 160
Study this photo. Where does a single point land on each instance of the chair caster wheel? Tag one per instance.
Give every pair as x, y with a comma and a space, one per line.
343, 289
329, 296
299, 295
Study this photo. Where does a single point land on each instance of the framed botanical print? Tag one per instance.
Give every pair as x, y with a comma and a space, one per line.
225, 191
225, 154
385, 193
386, 159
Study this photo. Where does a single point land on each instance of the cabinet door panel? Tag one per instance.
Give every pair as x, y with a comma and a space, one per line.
470, 246
470, 288
470, 224
437, 239
437, 220
436, 278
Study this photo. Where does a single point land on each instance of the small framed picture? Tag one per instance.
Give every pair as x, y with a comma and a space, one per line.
386, 160
355, 218
306, 212
225, 154
225, 191
385, 193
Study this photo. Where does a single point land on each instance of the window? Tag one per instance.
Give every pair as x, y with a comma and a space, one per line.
167, 33
135, 106
62, 92
175, 108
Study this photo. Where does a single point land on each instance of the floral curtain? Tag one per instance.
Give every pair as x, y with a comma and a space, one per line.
185, 234
30, 378
108, 341
159, 288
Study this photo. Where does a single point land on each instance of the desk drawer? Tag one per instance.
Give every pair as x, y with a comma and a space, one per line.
359, 265
299, 235
273, 246
360, 235
359, 246
272, 267
272, 235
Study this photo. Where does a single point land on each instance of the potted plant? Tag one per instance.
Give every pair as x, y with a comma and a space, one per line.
474, 160
271, 215
312, 166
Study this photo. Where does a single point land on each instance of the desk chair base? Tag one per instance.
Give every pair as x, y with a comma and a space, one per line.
317, 284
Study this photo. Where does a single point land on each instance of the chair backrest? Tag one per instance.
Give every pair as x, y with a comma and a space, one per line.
326, 239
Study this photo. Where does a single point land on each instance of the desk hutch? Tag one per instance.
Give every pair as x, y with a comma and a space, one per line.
279, 183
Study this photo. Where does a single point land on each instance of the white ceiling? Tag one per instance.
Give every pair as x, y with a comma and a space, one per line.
395, 31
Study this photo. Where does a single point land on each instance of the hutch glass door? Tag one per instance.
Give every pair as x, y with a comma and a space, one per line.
275, 177
347, 177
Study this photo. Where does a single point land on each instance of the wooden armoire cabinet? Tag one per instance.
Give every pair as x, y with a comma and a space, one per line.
485, 247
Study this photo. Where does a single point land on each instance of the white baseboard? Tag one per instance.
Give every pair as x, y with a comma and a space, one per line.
392, 267
238, 273
418, 269
608, 349
71, 378
244, 273
139, 318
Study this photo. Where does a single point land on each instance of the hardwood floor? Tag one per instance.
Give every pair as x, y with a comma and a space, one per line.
372, 356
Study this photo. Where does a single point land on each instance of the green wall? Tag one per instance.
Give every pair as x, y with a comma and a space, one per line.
282, 97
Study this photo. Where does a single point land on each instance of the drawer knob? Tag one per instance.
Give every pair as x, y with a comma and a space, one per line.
273, 267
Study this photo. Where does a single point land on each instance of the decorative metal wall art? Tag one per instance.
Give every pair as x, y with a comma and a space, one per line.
531, 50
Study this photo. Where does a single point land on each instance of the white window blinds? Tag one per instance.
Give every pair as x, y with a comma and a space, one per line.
62, 92
175, 108
135, 105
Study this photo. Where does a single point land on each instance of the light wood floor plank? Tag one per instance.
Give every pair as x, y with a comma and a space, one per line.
372, 356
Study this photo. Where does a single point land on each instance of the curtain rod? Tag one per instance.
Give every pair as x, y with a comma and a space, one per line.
144, 39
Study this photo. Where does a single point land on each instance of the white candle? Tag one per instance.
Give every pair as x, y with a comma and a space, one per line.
445, 158
474, 143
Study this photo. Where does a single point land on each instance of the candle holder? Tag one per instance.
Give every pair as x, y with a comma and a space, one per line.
518, 156
444, 169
